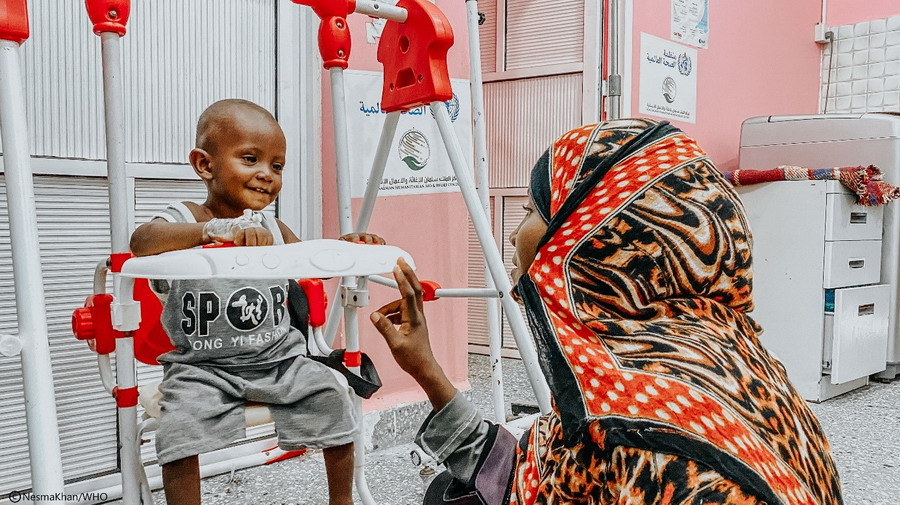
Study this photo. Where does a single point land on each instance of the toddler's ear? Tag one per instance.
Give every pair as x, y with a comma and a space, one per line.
200, 161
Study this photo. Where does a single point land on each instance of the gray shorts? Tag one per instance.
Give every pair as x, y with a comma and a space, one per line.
202, 407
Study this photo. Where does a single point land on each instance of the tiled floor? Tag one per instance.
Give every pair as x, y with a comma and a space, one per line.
863, 428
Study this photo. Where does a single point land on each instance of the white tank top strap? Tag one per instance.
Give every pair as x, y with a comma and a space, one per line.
176, 212
271, 224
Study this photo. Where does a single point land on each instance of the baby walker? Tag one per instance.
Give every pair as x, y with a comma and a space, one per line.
413, 49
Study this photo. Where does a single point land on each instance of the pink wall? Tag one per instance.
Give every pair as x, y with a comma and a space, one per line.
430, 227
843, 12
757, 64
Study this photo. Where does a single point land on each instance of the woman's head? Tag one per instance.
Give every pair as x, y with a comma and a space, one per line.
628, 213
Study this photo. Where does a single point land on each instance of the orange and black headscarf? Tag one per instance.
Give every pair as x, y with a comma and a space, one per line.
638, 301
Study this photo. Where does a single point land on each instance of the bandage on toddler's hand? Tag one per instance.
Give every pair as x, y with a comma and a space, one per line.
246, 230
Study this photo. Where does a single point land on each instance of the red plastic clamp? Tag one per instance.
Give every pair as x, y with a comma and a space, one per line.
317, 299
414, 55
125, 397
108, 15
14, 21
428, 289
94, 322
334, 34
116, 260
352, 358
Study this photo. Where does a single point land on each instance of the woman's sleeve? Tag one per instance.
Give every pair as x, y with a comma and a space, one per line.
455, 436
479, 455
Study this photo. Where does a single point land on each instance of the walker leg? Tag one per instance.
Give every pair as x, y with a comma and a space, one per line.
493, 258
495, 337
388, 132
37, 375
351, 324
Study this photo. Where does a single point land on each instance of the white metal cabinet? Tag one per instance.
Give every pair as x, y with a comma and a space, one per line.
830, 140
829, 333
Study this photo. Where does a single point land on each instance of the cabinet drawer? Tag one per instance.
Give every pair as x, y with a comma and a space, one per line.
856, 335
852, 263
845, 220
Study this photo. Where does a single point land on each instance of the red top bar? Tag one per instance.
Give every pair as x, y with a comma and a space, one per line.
108, 15
14, 20
334, 34
414, 55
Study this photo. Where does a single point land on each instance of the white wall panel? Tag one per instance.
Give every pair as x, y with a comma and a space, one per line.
179, 56
73, 226
487, 35
523, 117
864, 64
182, 55
540, 33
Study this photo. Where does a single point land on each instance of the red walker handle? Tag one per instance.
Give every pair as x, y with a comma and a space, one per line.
108, 15
14, 21
334, 34
414, 55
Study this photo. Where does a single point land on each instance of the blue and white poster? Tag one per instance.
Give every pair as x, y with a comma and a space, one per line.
668, 79
690, 22
418, 162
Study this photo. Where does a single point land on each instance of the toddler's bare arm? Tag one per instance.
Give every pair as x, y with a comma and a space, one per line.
160, 236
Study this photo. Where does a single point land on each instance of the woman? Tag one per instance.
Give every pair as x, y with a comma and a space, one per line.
633, 263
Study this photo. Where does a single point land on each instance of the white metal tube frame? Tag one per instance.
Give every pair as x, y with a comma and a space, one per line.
381, 10
495, 338
123, 304
443, 292
126, 318
37, 377
493, 258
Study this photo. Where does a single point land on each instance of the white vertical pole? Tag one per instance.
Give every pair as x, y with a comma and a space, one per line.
129, 453
126, 378
40, 405
114, 103
495, 338
351, 334
614, 80
345, 215
493, 258
342, 174
341, 149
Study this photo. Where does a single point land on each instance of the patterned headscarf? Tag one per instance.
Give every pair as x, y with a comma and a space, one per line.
638, 297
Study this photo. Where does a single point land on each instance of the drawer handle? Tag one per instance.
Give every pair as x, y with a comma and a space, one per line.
858, 217
866, 310
857, 263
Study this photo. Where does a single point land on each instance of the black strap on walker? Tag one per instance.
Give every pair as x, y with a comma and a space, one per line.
365, 384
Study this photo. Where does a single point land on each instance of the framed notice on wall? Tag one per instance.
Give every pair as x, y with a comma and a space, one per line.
418, 162
668, 79
690, 22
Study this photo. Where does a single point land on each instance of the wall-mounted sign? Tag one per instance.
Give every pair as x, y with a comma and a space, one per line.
668, 76
690, 22
418, 162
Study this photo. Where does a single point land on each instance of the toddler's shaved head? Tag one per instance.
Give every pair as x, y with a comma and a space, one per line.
221, 116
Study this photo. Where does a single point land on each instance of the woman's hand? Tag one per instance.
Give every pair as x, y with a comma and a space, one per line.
408, 341
364, 238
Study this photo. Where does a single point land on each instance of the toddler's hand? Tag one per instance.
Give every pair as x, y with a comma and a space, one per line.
252, 236
246, 230
409, 341
366, 238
